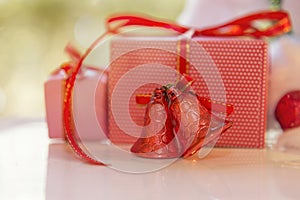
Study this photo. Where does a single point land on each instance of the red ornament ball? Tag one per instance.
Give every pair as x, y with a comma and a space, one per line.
288, 110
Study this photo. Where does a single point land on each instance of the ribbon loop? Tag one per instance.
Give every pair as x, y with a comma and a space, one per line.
280, 24
129, 20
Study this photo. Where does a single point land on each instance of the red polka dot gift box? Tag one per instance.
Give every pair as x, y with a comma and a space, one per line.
228, 71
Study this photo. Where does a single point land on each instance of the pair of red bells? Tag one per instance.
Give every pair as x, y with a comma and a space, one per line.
178, 123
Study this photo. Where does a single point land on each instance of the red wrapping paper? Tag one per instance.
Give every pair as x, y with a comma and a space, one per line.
242, 64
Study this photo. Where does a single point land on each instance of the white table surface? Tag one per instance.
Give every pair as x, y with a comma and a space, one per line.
34, 167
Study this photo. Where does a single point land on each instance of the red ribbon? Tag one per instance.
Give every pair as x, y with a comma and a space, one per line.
240, 27
144, 99
71, 68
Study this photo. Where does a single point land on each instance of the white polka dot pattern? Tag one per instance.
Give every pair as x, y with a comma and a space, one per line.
242, 64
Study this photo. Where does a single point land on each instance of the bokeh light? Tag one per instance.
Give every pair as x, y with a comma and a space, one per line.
33, 34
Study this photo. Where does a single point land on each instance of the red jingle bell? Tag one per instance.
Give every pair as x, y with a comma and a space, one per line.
194, 125
176, 124
157, 139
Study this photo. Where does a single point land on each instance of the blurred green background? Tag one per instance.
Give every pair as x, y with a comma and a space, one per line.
33, 34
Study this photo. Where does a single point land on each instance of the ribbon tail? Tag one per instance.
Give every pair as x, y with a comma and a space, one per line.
69, 131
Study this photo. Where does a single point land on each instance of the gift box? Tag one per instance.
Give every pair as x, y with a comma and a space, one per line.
233, 71
89, 104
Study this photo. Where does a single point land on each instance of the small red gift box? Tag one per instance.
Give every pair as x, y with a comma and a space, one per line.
89, 106
231, 71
